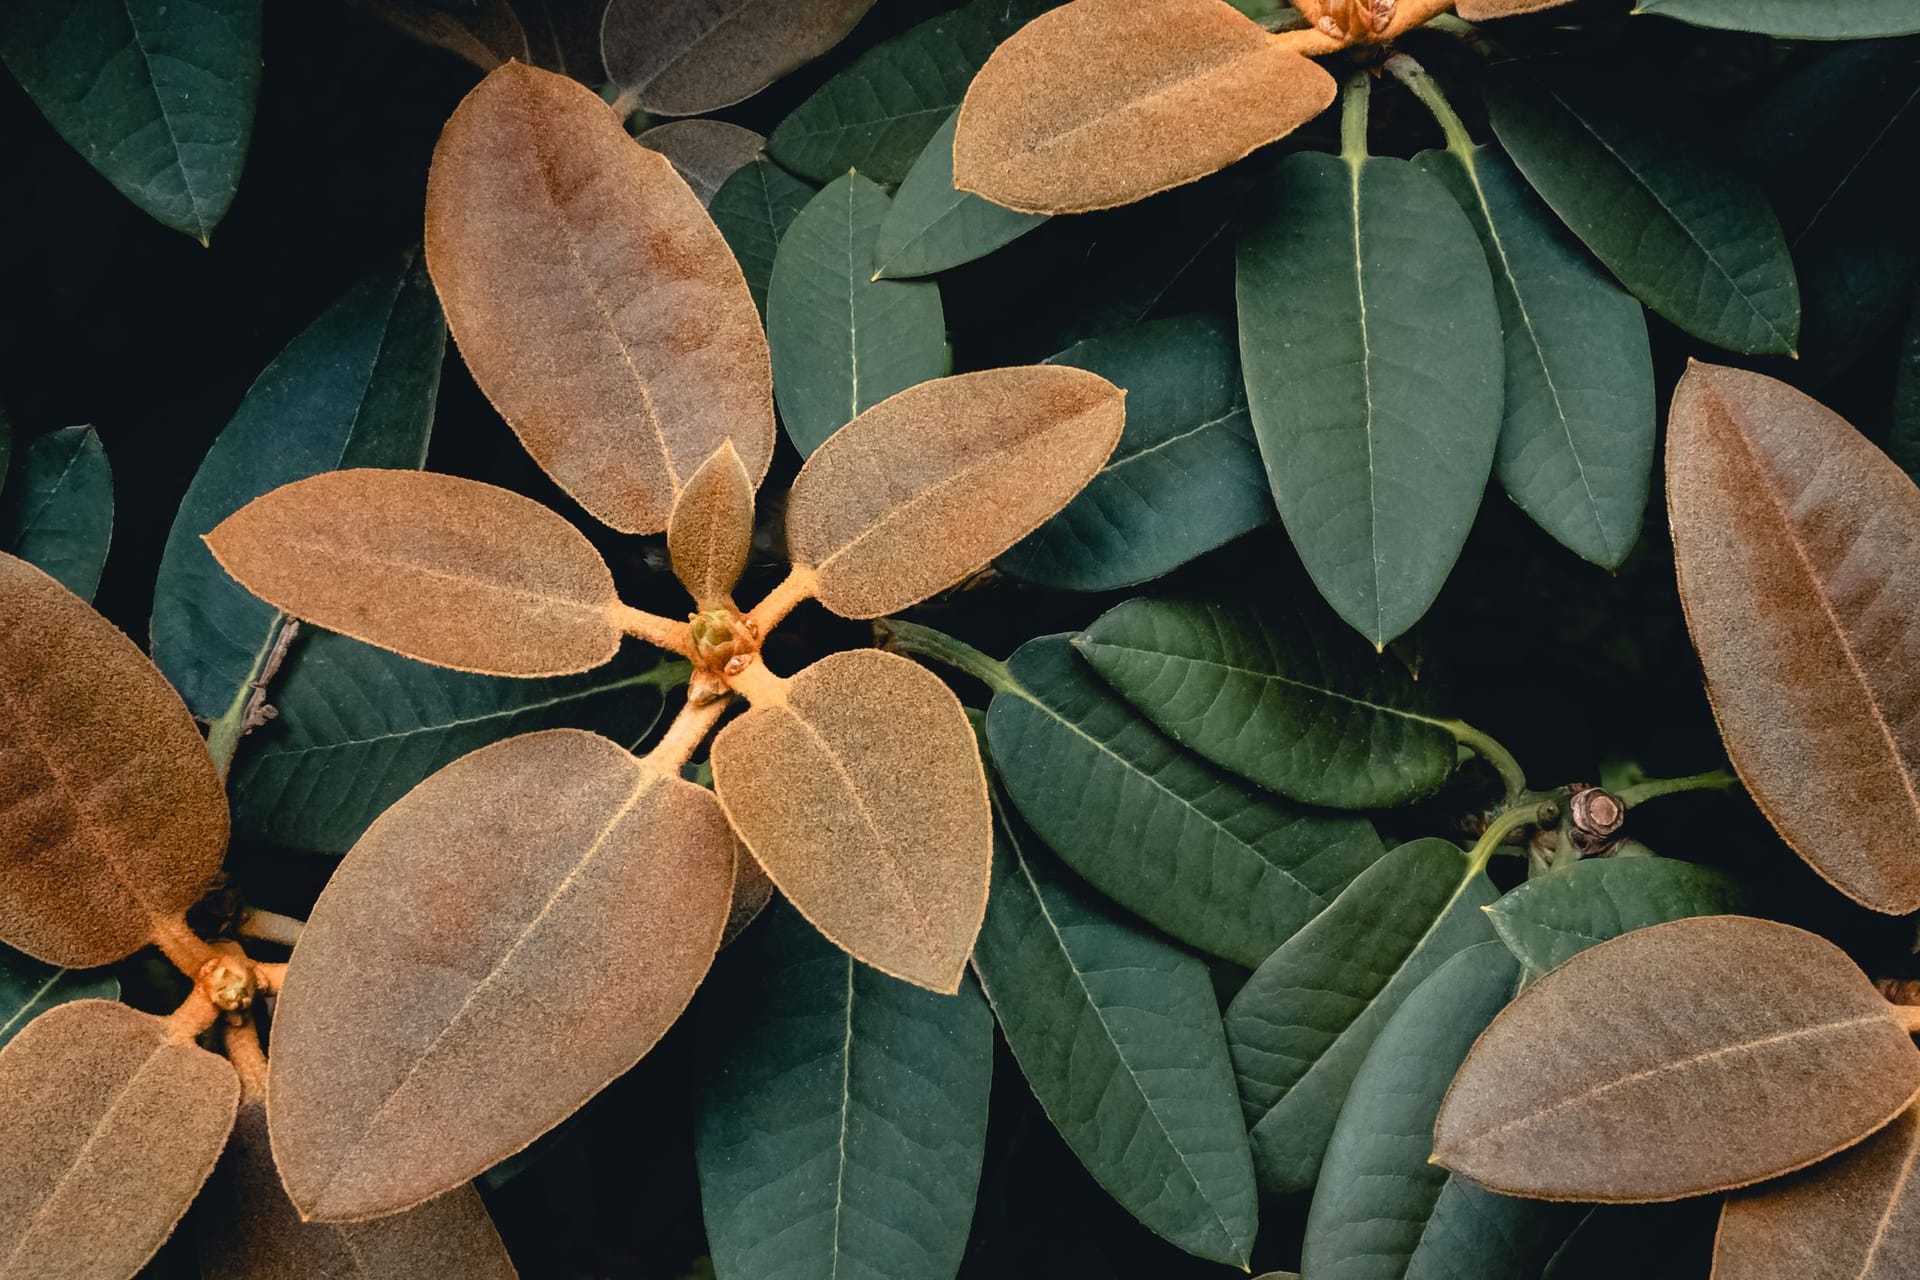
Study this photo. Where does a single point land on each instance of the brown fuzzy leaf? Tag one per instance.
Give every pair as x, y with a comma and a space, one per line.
448, 571
862, 796
249, 1230
930, 485
752, 891
1798, 549
704, 152
1488, 10
711, 531
1855, 1217
1104, 102
114, 815
593, 299
513, 934
1690, 1057
686, 57
109, 1128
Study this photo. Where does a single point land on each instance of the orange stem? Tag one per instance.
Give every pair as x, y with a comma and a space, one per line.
654, 629
800, 584
1908, 1016
193, 1018
187, 949
684, 736
270, 926
248, 1059
758, 685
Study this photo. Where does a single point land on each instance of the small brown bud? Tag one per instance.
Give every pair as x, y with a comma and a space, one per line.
228, 982
1598, 812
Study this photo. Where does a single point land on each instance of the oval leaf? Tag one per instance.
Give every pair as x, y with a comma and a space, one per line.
704, 152
1372, 349
115, 817
110, 1127
1673, 1061
485, 33
1104, 102
929, 486
843, 340
1795, 541
711, 531
686, 57
861, 794
932, 225
1794, 19
753, 210
449, 571
1549, 919
593, 298
29, 988
542, 864
844, 1119
58, 514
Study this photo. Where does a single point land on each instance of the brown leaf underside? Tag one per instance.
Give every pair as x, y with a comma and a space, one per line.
687, 57
704, 152
711, 532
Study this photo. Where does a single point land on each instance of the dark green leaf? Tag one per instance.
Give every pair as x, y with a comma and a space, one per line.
1576, 437
358, 727
1118, 1035
1220, 865
28, 988
157, 94
1185, 477
1278, 696
1686, 234
59, 511
753, 209
1552, 917
6, 448
1302, 1025
842, 340
355, 389
932, 227
1381, 1210
1796, 19
1905, 444
845, 1116
1372, 349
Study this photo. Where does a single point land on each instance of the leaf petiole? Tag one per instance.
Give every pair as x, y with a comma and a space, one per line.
1424, 87
662, 632
1489, 749
1504, 824
684, 736
800, 584
1654, 788
1353, 119
912, 639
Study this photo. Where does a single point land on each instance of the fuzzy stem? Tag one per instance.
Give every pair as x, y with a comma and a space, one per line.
269, 926
758, 685
654, 629
910, 638
1489, 749
684, 736
195, 1016
1908, 1016
798, 585
188, 951
269, 978
1353, 119
249, 1060
1424, 87
1654, 788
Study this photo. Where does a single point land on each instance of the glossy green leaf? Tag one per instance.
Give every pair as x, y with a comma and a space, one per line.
1185, 477
877, 113
1684, 232
1576, 435
157, 95
753, 210
1219, 865
1306, 1019
932, 226
1372, 349
1549, 919
355, 389
844, 1119
1381, 1210
1796, 19
29, 988
58, 513
843, 341
1118, 1035
359, 726
1278, 696
1904, 445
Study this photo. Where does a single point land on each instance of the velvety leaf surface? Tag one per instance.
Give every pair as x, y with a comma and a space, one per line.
1277, 696
842, 340
753, 210
1305, 1021
446, 570
711, 530
704, 152
489, 905
1673, 1061
156, 94
1488, 10
933, 226
929, 486
1103, 102
1685, 233
1547, 920
844, 1118
29, 988
620, 359
58, 513
685, 57
356, 388
1795, 541
1576, 434
1850, 1218
860, 792
1185, 477
110, 1127
1372, 349
1830, 20
1227, 868
358, 727
115, 816
1118, 1035
1381, 1210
